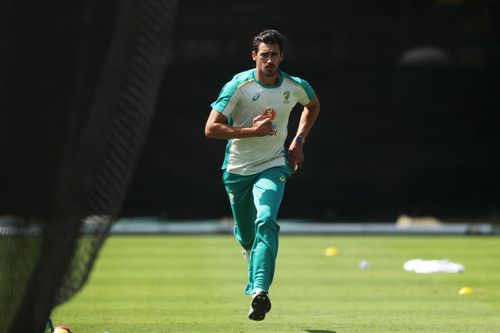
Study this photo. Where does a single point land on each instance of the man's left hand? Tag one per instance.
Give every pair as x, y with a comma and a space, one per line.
295, 156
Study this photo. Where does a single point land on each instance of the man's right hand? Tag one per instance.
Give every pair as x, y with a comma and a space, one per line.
262, 126
218, 128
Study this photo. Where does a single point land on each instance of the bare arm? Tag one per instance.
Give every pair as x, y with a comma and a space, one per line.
307, 120
218, 128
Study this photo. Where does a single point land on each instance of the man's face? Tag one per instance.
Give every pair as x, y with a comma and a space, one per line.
268, 58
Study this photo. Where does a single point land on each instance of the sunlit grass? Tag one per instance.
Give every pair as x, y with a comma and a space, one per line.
195, 284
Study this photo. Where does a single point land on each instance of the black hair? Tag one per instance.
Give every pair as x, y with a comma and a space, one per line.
269, 36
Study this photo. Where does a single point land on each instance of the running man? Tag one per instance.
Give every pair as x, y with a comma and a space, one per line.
252, 113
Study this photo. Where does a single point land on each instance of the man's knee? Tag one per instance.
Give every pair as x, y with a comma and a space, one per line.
267, 224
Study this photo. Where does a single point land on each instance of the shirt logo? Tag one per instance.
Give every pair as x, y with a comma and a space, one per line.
255, 97
270, 113
286, 96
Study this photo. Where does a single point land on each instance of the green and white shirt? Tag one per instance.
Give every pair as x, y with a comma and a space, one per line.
244, 98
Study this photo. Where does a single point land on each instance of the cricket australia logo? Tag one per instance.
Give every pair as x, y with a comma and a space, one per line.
286, 96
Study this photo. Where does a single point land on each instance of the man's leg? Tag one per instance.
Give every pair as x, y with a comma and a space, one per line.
267, 194
239, 190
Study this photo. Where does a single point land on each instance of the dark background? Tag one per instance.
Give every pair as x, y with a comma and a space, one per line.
409, 119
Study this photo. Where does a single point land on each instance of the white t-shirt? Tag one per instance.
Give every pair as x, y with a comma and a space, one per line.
244, 98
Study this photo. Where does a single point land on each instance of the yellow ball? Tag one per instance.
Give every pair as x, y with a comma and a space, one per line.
465, 291
331, 251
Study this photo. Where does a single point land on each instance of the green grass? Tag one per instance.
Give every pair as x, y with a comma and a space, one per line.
195, 284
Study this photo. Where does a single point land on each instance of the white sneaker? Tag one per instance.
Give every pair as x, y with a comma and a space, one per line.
246, 254
261, 304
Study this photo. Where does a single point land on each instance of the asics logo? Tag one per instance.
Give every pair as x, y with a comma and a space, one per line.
256, 97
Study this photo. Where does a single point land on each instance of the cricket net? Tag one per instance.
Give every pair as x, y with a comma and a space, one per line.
78, 88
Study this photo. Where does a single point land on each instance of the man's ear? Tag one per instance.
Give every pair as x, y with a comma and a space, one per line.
254, 55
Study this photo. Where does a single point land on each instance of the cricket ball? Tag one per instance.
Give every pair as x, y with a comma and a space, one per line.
62, 329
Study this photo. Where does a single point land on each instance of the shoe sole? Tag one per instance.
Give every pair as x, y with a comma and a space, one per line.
261, 304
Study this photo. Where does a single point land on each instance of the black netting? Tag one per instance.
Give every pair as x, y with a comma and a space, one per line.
78, 89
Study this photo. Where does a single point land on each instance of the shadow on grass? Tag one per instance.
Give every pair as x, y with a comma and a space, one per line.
320, 331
